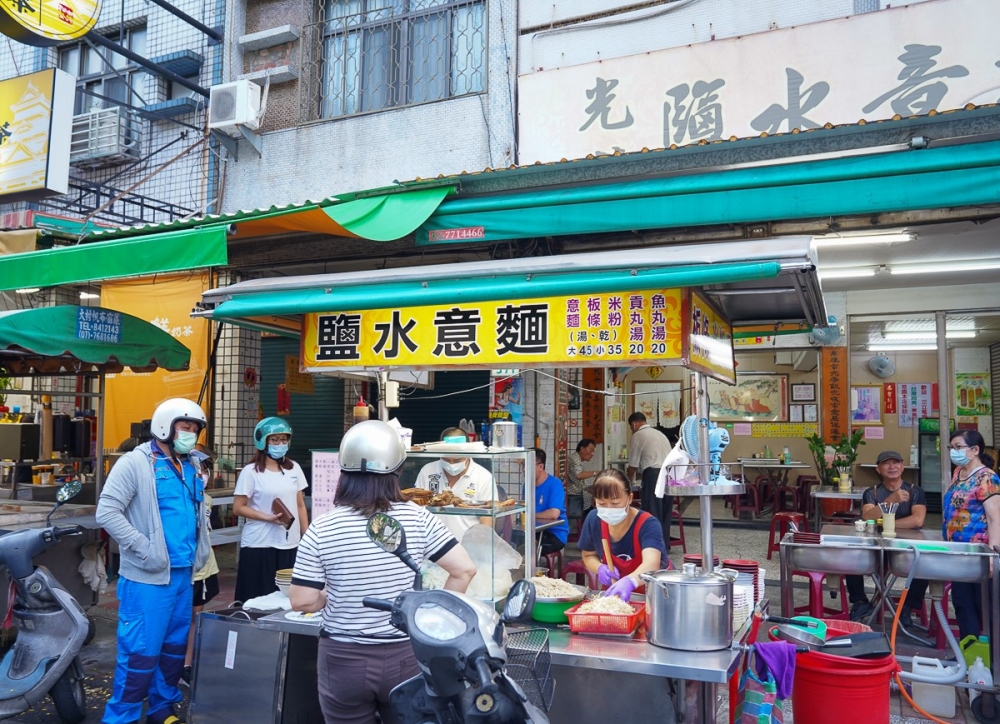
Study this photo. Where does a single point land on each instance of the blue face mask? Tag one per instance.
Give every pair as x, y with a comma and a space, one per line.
277, 451
959, 457
184, 442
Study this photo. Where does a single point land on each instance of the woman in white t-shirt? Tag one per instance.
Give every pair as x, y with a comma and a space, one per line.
361, 655
266, 546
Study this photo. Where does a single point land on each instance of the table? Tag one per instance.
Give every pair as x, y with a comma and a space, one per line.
773, 467
829, 492
540, 527
925, 534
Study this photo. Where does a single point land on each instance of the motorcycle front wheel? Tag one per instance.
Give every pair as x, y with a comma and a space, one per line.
68, 694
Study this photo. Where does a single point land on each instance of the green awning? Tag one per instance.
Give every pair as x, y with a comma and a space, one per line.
952, 176
388, 217
70, 337
483, 289
151, 254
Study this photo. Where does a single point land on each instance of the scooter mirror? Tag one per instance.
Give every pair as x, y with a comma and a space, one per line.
68, 491
520, 601
386, 532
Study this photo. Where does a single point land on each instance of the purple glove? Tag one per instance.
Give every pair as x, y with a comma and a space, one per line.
623, 588
606, 576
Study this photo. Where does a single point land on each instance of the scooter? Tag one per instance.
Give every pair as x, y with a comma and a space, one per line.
459, 643
51, 626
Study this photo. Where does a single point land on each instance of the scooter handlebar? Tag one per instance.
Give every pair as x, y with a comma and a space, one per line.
378, 603
63, 530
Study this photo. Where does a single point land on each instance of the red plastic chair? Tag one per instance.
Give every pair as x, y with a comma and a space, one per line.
750, 501
554, 562
781, 523
679, 540
816, 607
573, 570
781, 494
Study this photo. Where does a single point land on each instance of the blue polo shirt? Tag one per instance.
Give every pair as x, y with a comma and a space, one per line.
179, 494
550, 494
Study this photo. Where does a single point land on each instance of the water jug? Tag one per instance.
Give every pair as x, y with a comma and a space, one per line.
973, 648
935, 699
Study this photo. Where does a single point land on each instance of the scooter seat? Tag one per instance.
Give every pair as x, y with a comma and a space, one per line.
10, 688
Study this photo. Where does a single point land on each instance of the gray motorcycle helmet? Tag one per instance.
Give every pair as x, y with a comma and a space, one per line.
372, 446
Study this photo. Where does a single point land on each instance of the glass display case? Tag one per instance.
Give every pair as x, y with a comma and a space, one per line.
496, 489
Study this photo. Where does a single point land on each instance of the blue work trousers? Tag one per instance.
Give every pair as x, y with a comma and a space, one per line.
153, 624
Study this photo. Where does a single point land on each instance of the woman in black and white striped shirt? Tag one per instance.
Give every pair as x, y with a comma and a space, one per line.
361, 656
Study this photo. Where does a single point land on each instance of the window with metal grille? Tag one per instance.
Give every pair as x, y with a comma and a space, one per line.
100, 85
866, 6
370, 55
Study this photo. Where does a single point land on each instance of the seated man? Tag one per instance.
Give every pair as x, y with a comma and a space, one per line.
550, 505
910, 513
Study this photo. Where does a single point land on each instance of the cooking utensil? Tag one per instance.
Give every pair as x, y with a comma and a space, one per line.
866, 645
689, 611
801, 636
608, 560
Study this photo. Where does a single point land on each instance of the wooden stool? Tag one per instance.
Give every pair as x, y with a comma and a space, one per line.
679, 541
816, 608
577, 569
781, 523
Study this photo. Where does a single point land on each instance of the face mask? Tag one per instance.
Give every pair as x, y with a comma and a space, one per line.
612, 516
184, 442
959, 457
277, 451
454, 468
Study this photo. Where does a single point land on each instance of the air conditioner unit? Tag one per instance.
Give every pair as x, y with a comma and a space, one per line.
234, 104
105, 137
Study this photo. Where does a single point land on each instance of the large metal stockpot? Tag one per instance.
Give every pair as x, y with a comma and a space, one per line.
688, 609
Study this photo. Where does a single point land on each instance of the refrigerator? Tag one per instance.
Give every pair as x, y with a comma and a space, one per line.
929, 447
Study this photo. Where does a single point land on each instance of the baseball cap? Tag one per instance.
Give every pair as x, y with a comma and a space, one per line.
888, 455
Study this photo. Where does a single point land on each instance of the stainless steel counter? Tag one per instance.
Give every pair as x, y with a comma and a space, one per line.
928, 534
278, 622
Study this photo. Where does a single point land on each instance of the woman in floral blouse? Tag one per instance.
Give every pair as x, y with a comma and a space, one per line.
971, 515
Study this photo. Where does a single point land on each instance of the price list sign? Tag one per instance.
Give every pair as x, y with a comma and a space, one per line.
325, 476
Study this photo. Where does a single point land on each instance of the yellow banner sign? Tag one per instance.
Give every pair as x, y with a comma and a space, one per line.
709, 340
48, 22
588, 330
36, 118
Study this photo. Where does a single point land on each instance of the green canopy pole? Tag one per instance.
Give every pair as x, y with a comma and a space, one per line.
99, 473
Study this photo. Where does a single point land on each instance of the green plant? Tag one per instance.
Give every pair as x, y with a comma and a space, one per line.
6, 383
845, 453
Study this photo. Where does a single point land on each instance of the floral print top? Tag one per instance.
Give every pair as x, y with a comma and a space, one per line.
964, 518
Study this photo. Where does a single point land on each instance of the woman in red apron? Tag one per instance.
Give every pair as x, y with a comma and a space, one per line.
619, 542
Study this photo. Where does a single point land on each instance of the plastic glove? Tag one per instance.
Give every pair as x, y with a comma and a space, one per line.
623, 588
606, 576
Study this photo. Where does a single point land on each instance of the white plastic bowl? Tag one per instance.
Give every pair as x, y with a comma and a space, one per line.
283, 587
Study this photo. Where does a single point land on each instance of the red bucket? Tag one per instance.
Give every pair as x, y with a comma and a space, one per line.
821, 680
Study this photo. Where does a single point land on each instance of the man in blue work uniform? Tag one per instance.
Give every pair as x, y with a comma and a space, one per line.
151, 505
550, 505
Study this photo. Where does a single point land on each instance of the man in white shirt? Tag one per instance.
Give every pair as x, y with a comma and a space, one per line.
646, 454
467, 479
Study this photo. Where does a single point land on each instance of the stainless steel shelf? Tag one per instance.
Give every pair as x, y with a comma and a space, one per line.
699, 490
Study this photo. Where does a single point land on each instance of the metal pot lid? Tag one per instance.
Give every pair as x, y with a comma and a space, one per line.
686, 577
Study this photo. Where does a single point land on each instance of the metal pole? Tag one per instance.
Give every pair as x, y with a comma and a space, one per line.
158, 69
704, 470
944, 398
99, 473
210, 32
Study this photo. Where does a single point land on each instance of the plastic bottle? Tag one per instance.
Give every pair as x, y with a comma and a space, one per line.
975, 648
786, 456
484, 432
979, 675
914, 456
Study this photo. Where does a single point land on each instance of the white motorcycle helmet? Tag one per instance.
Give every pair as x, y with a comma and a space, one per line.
372, 446
172, 410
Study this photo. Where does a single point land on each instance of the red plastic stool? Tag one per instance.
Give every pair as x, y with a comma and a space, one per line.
933, 627
679, 540
554, 562
750, 500
577, 569
780, 501
781, 523
816, 608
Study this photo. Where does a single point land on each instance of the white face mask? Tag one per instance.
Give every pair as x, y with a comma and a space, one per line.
454, 468
612, 516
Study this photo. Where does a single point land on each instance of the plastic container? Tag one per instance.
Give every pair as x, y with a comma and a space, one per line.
606, 623
935, 699
552, 612
979, 675
821, 680
975, 648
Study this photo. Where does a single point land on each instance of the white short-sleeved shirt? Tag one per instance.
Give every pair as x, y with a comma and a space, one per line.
649, 449
475, 484
336, 552
261, 489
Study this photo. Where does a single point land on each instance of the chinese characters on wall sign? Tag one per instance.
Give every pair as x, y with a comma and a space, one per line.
933, 56
835, 394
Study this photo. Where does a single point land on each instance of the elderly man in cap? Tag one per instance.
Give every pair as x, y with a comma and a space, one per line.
911, 510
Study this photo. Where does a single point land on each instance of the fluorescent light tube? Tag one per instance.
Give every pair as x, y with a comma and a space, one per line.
931, 336
946, 267
902, 347
928, 325
28, 290
89, 295
831, 241
846, 273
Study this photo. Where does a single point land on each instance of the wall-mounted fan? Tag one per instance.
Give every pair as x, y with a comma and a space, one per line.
826, 335
881, 367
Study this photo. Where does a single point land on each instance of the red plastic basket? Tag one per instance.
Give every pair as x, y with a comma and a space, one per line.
606, 623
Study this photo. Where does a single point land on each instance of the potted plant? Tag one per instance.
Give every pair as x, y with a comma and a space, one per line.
845, 453
6, 383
